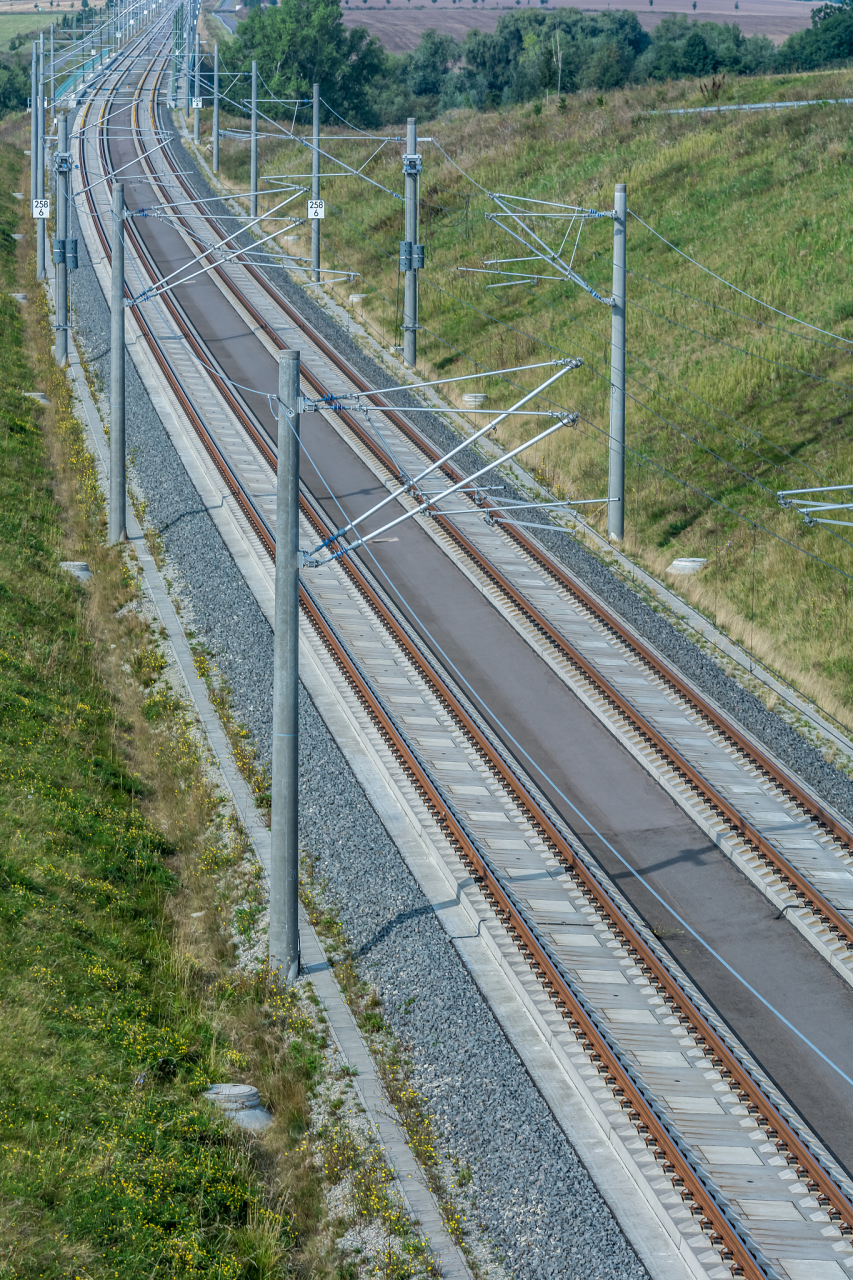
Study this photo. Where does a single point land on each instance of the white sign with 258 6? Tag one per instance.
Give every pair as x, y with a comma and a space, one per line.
41, 208
316, 208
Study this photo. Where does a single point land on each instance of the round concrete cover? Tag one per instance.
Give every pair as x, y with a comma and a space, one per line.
234, 1097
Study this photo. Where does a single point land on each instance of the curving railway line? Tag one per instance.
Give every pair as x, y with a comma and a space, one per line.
702, 1087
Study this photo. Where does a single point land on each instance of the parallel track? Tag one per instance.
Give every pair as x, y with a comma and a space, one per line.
805, 891
671, 1152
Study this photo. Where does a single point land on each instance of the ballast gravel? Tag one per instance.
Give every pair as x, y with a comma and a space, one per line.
534, 1199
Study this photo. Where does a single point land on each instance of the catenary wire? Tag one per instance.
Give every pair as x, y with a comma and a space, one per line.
826, 332
638, 875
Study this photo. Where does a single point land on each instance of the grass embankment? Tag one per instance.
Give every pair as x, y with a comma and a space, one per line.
761, 200
119, 878
23, 24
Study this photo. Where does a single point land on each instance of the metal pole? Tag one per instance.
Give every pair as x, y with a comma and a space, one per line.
117, 531
40, 225
52, 75
284, 861
174, 86
60, 266
315, 186
215, 125
196, 111
187, 57
253, 171
616, 479
75, 53
34, 127
410, 295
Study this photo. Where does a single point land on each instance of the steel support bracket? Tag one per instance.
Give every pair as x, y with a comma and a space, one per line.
412, 165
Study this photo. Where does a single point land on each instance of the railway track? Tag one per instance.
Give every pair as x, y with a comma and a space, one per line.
824, 910
471, 788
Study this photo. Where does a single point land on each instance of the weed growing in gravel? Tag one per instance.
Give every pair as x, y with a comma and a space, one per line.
358, 1162
412, 1107
245, 754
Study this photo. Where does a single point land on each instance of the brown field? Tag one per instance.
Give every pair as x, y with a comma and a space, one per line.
400, 26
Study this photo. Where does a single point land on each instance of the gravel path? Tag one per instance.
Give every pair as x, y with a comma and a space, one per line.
535, 1201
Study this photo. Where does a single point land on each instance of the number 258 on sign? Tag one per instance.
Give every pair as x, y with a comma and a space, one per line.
41, 208
316, 208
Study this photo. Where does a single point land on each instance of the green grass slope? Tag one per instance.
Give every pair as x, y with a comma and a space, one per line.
117, 1004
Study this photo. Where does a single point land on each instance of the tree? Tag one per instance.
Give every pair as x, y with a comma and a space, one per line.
14, 87
829, 40
303, 42
429, 62
696, 57
609, 67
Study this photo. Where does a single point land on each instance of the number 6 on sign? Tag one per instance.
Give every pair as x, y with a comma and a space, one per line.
41, 208
316, 208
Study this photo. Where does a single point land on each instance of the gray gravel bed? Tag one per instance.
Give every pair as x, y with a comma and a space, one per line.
535, 1200
534, 1197
781, 738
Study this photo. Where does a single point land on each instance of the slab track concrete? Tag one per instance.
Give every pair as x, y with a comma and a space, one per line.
577, 758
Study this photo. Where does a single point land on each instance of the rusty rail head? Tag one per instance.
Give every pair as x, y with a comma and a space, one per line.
742, 1259
674, 993
693, 1185
675, 996
842, 833
820, 905
837, 923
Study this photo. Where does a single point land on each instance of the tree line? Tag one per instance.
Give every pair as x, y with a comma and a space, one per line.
298, 42
15, 71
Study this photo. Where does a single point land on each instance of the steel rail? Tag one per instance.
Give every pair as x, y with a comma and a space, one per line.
684, 1008
811, 1167
238, 492
624, 1086
805, 891
676, 1163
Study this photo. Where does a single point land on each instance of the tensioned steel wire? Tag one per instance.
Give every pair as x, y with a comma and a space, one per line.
570, 209
637, 874
492, 319
551, 784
